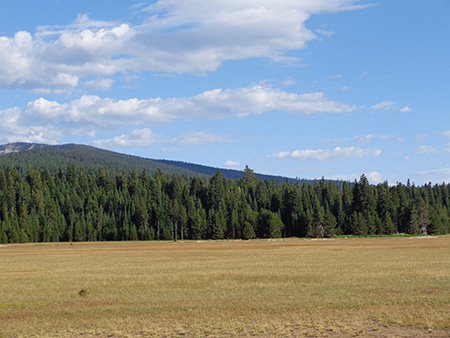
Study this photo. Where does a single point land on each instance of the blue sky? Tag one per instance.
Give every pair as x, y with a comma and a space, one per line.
298, 88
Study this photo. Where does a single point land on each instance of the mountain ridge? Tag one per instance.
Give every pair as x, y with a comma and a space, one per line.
23, 155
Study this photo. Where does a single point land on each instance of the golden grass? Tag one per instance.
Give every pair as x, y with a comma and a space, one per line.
370, 287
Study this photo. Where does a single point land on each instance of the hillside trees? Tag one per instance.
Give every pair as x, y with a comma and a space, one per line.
72, 205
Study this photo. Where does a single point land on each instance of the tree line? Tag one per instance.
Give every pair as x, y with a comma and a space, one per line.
74, 206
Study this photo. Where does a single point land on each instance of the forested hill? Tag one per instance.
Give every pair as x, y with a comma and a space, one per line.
54, 158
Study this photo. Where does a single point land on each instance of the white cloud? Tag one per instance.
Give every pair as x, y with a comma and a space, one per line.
446, 134
289, 81
91, 112
99, 84
389, 106
425, 150
362, 75
385, 105
335, 140
138, 137
405, 109
325, 33
422, 138
374, 177
386, 137
348, 178
179, 36
444, 174
364, 138
335, 154
200, 137
146, 137
232, 164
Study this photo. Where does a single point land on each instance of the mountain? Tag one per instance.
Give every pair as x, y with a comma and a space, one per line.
57, 157
23, 156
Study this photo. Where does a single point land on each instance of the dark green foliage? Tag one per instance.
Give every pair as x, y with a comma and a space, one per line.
248, 232
269, 224
77, 205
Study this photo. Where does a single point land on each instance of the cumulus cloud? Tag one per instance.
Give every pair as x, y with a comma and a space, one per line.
335, 154
91, 112
446, 134
178, 36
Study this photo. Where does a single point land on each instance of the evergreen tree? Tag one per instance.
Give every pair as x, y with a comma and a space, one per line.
248, 232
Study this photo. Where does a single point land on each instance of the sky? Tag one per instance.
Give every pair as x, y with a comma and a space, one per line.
296, 88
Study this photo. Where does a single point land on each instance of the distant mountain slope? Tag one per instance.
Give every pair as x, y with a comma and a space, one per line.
20, 146
57, 157
228, 173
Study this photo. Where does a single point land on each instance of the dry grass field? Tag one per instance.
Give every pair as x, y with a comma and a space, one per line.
368, 287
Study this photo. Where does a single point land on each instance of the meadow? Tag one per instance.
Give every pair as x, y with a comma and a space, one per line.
345, 287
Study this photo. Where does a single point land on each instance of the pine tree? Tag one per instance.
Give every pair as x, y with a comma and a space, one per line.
414, 221
248, 232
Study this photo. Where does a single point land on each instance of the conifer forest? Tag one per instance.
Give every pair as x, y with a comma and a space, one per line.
73, 205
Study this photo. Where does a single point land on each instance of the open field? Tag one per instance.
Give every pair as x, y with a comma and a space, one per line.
368, 287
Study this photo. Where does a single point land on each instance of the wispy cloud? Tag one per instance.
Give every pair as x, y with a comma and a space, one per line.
443, 174
146, 137
364, 138
200, 137
389, 106
362, 75
385, 105
325, 33
335, 154
425, 150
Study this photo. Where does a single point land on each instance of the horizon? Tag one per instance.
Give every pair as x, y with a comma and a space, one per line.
309, 89
262, 175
